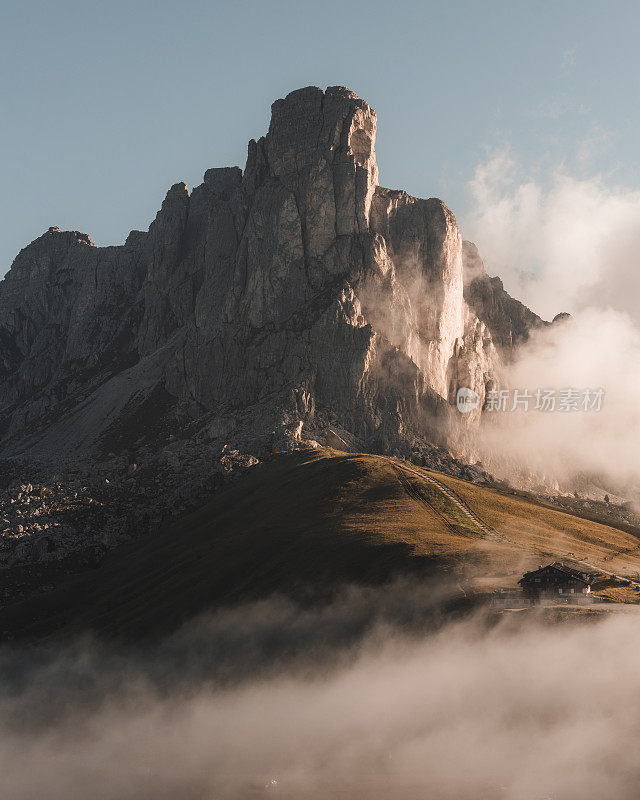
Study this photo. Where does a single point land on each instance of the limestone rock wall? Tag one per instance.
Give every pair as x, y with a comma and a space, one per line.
267, 296
509, 320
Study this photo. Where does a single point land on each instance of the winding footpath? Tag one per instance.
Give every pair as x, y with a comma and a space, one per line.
486, 529
450, 494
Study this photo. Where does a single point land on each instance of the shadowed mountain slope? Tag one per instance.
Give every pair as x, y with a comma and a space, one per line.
305, 523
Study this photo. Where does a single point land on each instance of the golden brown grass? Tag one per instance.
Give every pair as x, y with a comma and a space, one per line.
548, 533
305, 522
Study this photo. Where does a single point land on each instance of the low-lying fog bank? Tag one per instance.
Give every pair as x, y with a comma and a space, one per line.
355, 699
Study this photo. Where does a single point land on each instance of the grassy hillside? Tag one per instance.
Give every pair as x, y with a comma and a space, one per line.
550, 532
303, 523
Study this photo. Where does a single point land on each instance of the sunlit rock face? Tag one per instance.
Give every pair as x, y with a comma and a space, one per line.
510, 321
294, 289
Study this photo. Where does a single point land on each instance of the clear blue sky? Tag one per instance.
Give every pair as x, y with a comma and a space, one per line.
105, 105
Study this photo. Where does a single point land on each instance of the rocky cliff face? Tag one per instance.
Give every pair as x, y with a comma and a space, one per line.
262, 307
508, 319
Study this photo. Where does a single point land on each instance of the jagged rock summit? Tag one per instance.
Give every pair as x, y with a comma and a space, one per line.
261, 308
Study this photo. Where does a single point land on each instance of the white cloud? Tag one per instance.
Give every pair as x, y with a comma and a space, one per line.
568, 244
600, 348
558, 247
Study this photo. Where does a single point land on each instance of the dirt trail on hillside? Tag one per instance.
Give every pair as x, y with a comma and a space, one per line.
449, 493
486, 529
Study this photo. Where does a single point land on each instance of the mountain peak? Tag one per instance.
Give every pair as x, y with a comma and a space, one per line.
264, 302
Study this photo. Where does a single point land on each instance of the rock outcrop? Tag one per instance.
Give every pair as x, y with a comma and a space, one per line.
262, 307
508, 319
